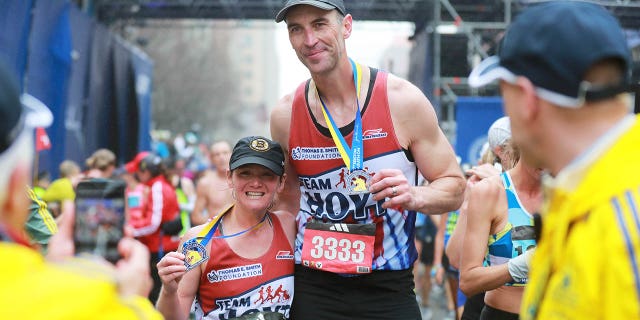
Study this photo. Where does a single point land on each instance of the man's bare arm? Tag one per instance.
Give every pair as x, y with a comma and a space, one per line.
289, 199
201, 202
416, 126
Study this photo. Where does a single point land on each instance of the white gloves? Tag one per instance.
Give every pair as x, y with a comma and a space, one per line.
519, 266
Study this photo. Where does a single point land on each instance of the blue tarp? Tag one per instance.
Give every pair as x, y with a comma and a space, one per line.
126, 102
98, 90
82, 33
98, 118
143, 70
48, 70
474, 116
15, 21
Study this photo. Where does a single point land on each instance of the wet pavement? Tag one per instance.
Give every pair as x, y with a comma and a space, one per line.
437, 309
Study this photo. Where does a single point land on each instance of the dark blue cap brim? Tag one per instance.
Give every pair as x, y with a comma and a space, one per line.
37, 113
275, 167
488, 71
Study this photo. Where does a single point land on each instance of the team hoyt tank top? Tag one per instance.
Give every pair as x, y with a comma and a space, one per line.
232, 285
518, 235
322, 174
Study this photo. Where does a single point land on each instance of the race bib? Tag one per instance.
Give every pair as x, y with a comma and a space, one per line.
338, 247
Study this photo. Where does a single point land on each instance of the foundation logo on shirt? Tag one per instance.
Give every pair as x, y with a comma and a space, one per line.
374, 134
284, 255
235, 273
313, 153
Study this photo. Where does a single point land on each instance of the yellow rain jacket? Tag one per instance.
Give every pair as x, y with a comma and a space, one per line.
587, 262
33, 289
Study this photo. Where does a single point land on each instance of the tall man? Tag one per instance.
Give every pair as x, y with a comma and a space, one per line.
212, 191
563, 71
356, 138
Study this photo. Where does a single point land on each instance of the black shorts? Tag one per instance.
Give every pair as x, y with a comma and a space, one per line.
157, 282
378, 295
472, 307
450, 271
489, 313
427, 239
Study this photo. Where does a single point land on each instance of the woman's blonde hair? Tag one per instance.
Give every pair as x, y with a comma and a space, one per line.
488, 157
69, 168
101, 159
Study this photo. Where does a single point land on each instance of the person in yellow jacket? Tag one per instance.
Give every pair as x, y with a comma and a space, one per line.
40, 225
58, 287
62, 188
564, 69
41, 183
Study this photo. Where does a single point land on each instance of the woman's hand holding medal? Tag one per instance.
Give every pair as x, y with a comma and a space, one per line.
171, 269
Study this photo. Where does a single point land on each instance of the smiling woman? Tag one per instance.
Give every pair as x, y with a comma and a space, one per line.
250, 273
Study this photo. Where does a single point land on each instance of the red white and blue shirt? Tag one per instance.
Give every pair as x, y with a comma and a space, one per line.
323, 174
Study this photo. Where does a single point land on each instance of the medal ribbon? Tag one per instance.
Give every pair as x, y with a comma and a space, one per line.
206, 234
352, 157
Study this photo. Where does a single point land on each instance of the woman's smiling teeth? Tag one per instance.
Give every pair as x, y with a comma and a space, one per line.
254, 194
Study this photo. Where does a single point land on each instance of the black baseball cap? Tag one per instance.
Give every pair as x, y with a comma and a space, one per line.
17, 111
322, 4
553, 44
258, 150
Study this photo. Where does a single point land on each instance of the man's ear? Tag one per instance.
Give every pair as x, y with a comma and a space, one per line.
347, 26
16, 204
530, 101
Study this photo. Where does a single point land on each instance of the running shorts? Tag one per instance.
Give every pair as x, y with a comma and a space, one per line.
489, 313
378, 295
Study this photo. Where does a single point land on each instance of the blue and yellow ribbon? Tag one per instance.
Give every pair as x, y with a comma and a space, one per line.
352, 156
206, 234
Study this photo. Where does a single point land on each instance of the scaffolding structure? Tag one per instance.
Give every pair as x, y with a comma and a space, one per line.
483, 35
446, 88
478, 23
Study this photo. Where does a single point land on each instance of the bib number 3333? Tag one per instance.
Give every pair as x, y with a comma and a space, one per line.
338, 247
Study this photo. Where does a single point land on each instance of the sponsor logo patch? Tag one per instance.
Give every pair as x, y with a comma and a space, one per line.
284, 255
374, 134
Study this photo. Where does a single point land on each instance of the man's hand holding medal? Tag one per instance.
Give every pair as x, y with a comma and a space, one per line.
392, 186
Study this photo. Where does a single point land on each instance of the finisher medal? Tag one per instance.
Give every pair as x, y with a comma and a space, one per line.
195, 249
358, 182
194, 254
